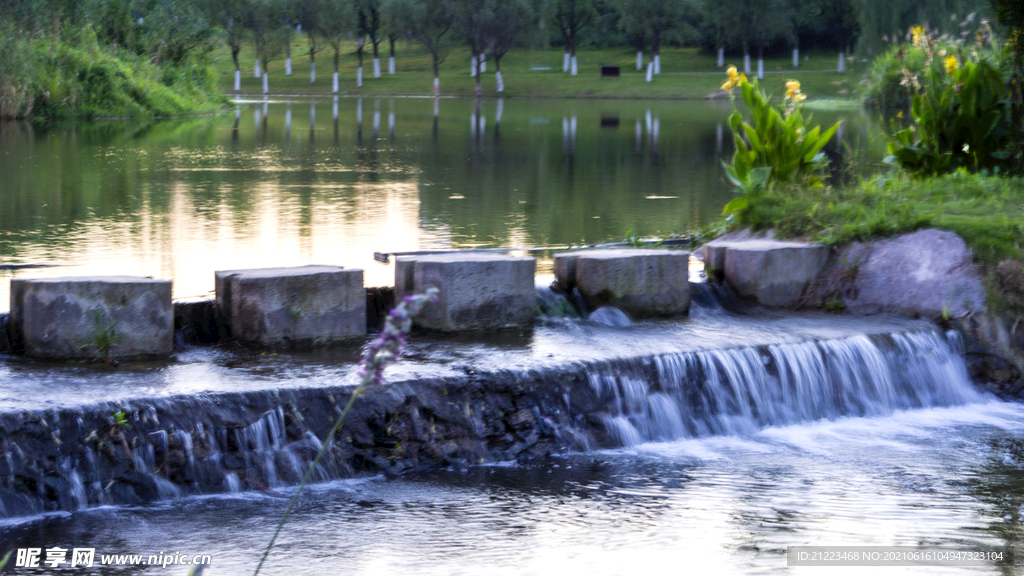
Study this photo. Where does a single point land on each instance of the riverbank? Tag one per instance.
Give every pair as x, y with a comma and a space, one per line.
983, 210
687, 74
44, 79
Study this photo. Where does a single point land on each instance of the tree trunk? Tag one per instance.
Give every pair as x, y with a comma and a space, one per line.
565, 60
359, 70
238, 71
437, 81
391, 55
497, 72
266, 84
572, 64
376, 62
721, 56
288, 58
796, 53
760, 62
746, 58
639, 59
256, 73
334, 83
473, 61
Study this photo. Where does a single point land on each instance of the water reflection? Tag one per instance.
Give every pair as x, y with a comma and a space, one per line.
180, 199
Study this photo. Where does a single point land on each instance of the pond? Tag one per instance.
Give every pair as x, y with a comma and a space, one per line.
331, 181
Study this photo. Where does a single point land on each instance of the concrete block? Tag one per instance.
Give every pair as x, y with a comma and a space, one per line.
78, 317
296, 307
773, 272
476, 291
641, 282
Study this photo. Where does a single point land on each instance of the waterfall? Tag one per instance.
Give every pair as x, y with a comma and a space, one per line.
741, 390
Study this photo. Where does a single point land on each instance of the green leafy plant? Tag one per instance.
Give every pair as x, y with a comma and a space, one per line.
104, 336
633, 240
961, 110
775, 147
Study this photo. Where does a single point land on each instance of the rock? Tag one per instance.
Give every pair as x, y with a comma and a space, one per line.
476, 291
610, 316
89, 317
297, 307
772, 272
640, 282
927, 273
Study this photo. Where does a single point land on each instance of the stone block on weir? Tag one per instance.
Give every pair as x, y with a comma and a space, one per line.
773, 272
86, 317
294, 307
642, 282
475, 291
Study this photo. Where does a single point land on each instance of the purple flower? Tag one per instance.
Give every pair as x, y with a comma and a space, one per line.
387, 348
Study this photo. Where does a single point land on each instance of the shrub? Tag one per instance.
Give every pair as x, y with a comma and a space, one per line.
775, 147
961, 111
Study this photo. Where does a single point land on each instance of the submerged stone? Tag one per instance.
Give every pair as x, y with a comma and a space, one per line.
475, 291
641, 282
92, 317
297, 307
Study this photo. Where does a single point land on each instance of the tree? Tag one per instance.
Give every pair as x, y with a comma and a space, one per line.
512, 19
839, 21
432, 20
266, 21
230, 17
335, 25
653, 19
805, 14
370, 21
571, 16
309, 13
395, 17
774, 22
473, 21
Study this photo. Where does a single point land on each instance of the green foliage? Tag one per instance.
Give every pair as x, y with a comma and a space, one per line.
962, 117
775, 147
884, 87
104, 336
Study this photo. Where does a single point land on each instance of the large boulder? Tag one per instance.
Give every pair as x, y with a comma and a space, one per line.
475, 291
297, 307
85, 317
772, 272
642, 282
927, 273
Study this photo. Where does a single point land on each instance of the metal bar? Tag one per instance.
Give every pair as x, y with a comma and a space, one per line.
385, 257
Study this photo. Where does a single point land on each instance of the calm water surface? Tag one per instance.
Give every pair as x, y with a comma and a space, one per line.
287, 183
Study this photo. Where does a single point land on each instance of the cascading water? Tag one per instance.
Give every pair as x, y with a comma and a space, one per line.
739, 391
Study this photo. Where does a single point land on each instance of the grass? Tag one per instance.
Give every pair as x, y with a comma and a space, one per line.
986, 211
687, 73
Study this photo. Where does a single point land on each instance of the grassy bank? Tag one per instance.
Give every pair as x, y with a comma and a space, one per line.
986, 211
57, 79
687, 73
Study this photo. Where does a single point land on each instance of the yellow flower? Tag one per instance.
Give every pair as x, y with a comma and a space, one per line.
735, 78
793, 92
899, 114
951, 64
919, 34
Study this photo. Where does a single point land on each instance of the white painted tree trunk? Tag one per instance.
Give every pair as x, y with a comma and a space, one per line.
473, 62
718, 137
842, 61
574, 69
639, 131
565, 63
257, 117
359, 111
376, 67
721, 57
639, 59
288, 66
501, 83
796, 57
238, 112
334, 83
312, 114
288, 120
376, 123
391, 64
334, 108
657, 63
257, 74
437, 105
266, 84
238, 80
437, 92
391, 125
760, 68
312, 72
501, 108
483, 126
650, 72
483, 62
359, 76
472, 125
746, 63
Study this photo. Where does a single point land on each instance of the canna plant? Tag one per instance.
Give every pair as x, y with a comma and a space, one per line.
961, 110
774, 147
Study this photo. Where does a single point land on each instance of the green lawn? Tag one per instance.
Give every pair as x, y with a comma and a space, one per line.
687, 73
